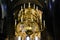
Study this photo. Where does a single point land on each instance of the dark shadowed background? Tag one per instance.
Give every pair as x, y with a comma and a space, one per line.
51, 15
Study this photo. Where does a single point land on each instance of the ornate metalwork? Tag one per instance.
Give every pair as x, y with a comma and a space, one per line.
29, 23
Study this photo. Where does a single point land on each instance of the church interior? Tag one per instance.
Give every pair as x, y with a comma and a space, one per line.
29, 20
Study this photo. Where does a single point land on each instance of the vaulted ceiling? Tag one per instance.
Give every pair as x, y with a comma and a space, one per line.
15, 3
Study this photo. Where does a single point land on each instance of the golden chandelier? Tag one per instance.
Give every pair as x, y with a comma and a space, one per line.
30, 23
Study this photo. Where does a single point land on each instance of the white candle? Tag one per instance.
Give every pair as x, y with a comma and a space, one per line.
24, 6
29, 5
21, 8
44, 23
19, 37
27, 38
37, 8
36, 38
34, 6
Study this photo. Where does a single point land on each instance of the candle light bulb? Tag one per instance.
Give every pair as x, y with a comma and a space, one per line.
28, 38
44, 23
29, 5
24, 6
37, 8
34, 6
19, 38
36, 38
21, 8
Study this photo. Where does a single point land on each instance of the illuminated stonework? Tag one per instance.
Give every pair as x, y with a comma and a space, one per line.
30, 25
